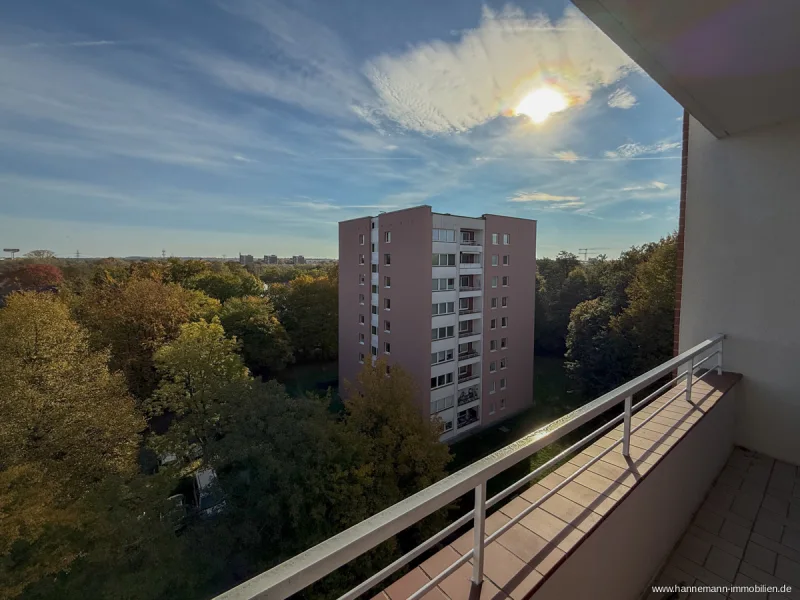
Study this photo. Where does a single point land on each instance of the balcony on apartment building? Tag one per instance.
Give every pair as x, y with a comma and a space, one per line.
472, 238
469, 261
469, 395
468, 417
469, 350
469, 283
685, 474
469, 306
468, 373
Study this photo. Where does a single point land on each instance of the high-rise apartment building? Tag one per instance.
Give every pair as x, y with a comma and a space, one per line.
298, 260
448, 298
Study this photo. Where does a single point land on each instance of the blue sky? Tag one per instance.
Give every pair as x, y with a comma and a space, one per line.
212, 128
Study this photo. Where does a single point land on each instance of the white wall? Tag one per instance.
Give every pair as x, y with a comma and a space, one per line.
742, 274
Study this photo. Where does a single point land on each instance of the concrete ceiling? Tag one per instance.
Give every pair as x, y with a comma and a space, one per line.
733, 64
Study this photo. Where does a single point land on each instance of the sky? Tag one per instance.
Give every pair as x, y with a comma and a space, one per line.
210, 128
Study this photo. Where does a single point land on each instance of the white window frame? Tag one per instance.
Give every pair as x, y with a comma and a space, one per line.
504, 302
494, 302
503, 383
502, 403
361, 239
506, 279
504, 363
504, 322
361, 319
493, 324
494, 281
362, 338
387, 281
506, 239
387, 259
361, 299
437, 235
494, 260
387, 237
492, 367
387, 304
362, 279
437, 260
387, 348
494, 239
506, 259
362, 259
503, 343
439, 281
387, 326
361, 358
492, 345
492, 387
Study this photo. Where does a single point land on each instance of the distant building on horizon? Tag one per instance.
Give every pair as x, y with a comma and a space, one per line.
298, 260
271, 259
457, 314
245, 259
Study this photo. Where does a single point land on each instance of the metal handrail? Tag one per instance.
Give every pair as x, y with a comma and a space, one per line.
466, 355
469, 288
469, 265
468, 311
304, 569
470, 377
470, 243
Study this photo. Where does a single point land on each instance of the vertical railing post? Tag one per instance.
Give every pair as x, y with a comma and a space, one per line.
719, 359
626, 435
689, 377
479, 531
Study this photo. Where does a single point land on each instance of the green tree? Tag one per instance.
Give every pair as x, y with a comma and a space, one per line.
200, 372
135, 318
265, 345
68, 425
229, 282
40, 254
308, 307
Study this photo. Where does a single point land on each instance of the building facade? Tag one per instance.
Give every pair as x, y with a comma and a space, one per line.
448, 298
298, 260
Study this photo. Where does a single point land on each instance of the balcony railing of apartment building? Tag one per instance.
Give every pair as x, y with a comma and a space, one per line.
468, 377
468, 311
468, 354
468, 395
308, 567
468, 417
470, 243
475, 286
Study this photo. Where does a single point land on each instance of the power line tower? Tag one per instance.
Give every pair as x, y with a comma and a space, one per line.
77, 253
584, 251
163, 253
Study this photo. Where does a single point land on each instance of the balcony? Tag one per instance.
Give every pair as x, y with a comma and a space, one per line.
468, 395
468, 377
468, 311
467, 417
606, 512
466, 355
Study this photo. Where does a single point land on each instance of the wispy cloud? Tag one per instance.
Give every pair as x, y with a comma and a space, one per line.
78, 44
544, 199
652, 185
567, 156
635, 149
441, 87
622, 98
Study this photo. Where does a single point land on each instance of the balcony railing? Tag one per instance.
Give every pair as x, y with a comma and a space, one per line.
468, 395
470, 243
470, 265
469, 377
468, 311
469, 288
308, 567
469, 420
466, 355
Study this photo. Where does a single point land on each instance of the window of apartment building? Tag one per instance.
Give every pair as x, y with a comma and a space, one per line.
387, 281
492, 367
361, 239
373, 224
494, 239
505, 280
504, 322
387, 236
360, 319
465, 348
361, 358
464, 281
361, 298
443, 308
463, 303
361, 259
494, 260
362, 279
447, 426
374, 268
492, 387
441, 356
374, 288
502, 403
442, 404
373, 246
445, 283
444, 260
506, 239
387, 348
493, 324
387, 259
387, 327
464, 327
494, 281
440, 333
492, 345
491, 408
374, 351
374, 329
504, 302
503, 363
441, 380
361, 338
374, 310
444, 235
503, 343
506, 259
503, 383
494, 302
387, 304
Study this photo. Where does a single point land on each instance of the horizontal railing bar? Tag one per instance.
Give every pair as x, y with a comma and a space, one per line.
304, 569
408, 557
703, 375
441, 576
713, 354
650, 397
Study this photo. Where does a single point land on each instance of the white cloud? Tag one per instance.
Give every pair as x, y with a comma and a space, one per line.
622, 98
445, 87
541, 197
567, 156
634, 149
652, 185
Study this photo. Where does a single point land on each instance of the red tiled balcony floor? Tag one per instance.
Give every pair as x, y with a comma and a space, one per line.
520, 559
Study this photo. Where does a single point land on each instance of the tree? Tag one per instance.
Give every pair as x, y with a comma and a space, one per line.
40, 254
226, 285
37, 277
68, 425
135, 318
265, 345
199, 373
308, 307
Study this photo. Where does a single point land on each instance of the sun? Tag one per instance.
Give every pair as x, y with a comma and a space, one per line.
541, 103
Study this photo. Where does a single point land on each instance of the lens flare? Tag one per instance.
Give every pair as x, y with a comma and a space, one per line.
541, 103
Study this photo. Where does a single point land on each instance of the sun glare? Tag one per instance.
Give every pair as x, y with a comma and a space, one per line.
541, 103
